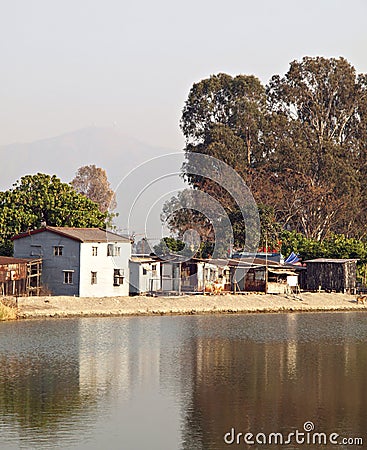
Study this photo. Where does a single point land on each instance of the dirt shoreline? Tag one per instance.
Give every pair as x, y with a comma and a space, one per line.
53, 307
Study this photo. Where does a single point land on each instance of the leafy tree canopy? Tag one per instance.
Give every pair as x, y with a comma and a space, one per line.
300, 143
92, 182
168, 245
335, 246
41, 198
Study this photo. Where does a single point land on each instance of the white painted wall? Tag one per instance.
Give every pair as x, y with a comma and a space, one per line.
200, 276
142, 283
104, 266
167, 275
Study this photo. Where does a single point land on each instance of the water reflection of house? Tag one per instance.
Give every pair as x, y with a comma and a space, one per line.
39, 381
262, 385
103, 362
20, 276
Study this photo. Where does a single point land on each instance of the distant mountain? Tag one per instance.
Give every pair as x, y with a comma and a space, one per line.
140, 196
63, 155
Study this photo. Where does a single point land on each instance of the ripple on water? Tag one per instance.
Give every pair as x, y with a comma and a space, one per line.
179, 382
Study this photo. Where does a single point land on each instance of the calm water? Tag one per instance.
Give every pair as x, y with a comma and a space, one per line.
166, 383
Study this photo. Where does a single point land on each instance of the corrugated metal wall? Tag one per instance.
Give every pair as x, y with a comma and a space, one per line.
331, 276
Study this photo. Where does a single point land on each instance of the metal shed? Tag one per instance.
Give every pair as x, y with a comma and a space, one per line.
337, 275
145, 275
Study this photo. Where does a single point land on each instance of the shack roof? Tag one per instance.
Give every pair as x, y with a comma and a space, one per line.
259, 263
79, 234
144, 259
283, 272
5, 260
331, 260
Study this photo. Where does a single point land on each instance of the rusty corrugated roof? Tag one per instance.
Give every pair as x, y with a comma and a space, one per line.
5, 260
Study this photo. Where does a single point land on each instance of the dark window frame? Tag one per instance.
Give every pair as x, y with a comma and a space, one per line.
68, 276
58, 250
93, 277
118, 277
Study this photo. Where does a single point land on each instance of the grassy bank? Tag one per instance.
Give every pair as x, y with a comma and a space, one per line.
7, 312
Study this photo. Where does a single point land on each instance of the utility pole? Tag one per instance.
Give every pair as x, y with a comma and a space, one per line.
266, 262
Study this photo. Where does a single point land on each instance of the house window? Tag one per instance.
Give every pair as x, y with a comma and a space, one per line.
68, 277
36, 250
112, 250
58, 250
93, 278
118, 277
94, 251
144, 271
154, 270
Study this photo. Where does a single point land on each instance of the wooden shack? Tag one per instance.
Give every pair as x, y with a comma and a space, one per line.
333, 275
194, 276
20, 276
253, 275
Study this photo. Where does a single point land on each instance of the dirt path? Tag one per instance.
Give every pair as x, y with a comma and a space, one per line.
42, 307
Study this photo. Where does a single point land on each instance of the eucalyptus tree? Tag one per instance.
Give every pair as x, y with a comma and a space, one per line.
224, 116
300, 143
318, 126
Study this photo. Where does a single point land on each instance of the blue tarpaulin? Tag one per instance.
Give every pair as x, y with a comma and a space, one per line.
292, 259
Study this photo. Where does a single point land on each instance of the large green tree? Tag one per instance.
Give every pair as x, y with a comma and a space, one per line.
224, 117
317, 144
41, 198
300, 144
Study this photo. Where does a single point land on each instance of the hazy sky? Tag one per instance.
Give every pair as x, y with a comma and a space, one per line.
68, 64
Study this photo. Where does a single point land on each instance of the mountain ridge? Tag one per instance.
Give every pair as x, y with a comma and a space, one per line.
62, 155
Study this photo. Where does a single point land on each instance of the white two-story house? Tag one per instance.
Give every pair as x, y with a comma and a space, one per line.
85, 262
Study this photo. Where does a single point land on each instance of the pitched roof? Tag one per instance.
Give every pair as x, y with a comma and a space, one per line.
79, 234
